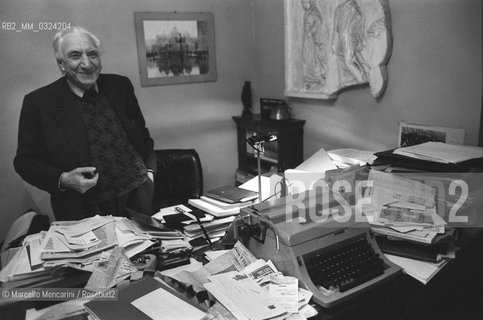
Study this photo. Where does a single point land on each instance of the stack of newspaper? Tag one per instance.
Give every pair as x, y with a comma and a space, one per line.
72, 245
403, 208
77, 242
404, 220
403, 214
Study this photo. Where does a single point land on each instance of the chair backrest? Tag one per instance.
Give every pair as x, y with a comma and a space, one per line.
28, 223
179, 177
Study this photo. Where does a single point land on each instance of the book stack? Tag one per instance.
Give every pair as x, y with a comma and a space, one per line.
224, 201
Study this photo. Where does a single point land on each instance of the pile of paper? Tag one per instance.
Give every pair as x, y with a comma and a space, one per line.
400, 220
218, 208
247, 287
25, 266
225, 201
347, 157
77, 243
194, 225
441, 152
111, 268
401, 207
215, 229
72, 244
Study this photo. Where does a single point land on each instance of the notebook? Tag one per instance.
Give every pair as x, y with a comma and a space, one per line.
231, 194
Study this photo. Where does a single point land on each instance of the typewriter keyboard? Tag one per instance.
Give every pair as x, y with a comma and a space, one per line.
344, 265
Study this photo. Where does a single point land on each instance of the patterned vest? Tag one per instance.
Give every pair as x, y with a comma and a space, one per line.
121, 168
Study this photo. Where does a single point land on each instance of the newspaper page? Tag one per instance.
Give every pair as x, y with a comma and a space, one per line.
110, 271
242, 295
105, 233
77, 228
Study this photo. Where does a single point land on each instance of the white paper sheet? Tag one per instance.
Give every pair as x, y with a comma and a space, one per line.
268, 185
352, 156
171, 307
284, 290
318, 162
251, 299
420, 270
441, 152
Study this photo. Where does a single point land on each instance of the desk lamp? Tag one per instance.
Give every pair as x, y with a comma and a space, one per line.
257, 143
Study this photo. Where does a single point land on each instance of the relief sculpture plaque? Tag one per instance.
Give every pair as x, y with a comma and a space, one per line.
334, 44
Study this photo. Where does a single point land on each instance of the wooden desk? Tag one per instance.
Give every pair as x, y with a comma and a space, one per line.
456, 292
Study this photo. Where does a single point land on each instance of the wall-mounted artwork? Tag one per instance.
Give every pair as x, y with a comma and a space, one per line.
175, 47
334, 44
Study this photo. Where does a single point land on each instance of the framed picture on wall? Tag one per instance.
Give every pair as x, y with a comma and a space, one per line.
175, 48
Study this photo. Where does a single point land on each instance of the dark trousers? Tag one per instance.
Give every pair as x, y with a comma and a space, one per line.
139, 199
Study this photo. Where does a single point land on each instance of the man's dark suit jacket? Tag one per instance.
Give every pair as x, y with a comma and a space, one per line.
52, 138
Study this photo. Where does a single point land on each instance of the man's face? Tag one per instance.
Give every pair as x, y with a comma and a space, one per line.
81, 60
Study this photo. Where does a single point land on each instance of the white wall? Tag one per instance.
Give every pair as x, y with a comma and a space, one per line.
435, 76
194, 115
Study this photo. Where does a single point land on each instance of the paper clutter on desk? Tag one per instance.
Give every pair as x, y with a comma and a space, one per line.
170, 211
242, 296
111, 269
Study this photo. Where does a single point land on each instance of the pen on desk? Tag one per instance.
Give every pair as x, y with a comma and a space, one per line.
180, 210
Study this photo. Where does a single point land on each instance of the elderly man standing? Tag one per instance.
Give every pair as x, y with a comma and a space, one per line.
83, 137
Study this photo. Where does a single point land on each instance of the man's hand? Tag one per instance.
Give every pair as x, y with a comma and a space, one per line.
79, 179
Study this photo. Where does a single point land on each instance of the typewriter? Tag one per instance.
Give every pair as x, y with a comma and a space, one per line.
318, 239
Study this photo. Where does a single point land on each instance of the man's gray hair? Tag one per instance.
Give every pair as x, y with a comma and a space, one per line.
59, 38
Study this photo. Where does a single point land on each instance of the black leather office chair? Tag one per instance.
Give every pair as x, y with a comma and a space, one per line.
179, 177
